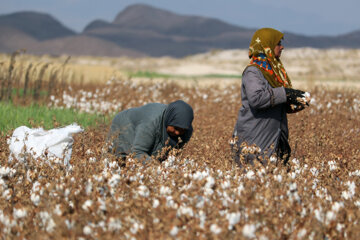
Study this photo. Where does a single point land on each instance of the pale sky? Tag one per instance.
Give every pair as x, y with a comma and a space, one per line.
308, 17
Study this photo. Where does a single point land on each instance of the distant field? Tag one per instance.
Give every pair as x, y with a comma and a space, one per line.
303, 65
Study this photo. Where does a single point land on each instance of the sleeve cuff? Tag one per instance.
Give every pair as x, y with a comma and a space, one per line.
279, 95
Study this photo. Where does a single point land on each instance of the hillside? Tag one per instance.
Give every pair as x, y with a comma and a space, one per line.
141, 30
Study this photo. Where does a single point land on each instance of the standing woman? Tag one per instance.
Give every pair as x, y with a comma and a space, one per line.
151, 130
267, 96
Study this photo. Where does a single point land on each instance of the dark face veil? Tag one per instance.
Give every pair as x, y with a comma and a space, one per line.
178, 114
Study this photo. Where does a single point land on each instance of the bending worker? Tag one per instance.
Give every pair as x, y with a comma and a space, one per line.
151, 130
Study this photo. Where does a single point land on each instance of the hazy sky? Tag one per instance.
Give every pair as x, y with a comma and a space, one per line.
309, 17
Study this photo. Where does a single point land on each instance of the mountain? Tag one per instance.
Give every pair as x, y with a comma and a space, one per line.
37, 25
141, 30
144, 17
157, 32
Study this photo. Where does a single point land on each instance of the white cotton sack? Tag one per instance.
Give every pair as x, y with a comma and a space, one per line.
56, 143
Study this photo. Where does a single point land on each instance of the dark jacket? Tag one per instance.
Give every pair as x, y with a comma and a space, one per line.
262, 117
142, 130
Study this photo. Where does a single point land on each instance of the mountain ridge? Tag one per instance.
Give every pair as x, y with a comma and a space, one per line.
142, 30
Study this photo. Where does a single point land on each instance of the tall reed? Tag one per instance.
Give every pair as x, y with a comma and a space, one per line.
27, 79
2, 79
52, 81
63, 82
38, 83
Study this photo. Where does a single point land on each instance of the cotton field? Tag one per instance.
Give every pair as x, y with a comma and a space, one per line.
197, 193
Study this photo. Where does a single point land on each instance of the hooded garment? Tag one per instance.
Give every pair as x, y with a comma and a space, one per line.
142, 130
262, 119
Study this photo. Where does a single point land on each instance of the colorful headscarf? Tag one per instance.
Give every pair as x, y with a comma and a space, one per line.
261, 53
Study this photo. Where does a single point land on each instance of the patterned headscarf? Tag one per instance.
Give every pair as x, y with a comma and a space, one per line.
261, 53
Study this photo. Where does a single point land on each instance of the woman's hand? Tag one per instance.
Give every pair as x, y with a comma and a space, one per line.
296, 100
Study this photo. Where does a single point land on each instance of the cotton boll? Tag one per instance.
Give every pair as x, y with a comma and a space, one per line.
35, 198
249, 231
250, 175
233, 218
87, 230
87, 205
143, 191
19, 213
214, 228
156, 203
174, 231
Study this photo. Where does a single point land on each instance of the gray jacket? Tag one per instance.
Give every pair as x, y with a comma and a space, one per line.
262, 117
142, 131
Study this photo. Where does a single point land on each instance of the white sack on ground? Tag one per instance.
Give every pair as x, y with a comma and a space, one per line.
45, 144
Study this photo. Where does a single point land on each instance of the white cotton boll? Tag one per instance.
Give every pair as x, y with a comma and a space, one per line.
340, 227
273, 159
19, 213
240, 188
214, 228
88, 188
301, 234
225, 184
89, 151
156, 203
7, 194
183, 210
330, 215
233, 218
114, 224
135, 227
328, 105
69, 224
35, 198
164, 190
278, 178
250, 175
352, 187
143, 191
337, 206
114, 180
87, 230
174, 231
47, 221
332, 165
7, 172
210, 182
87, 205
355, 173
292, 175
318, 215
102, 204
249, 231
170, 202
57, 210
92, 159
261, 172
293, 187
202, 217
314, 171
36, 187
